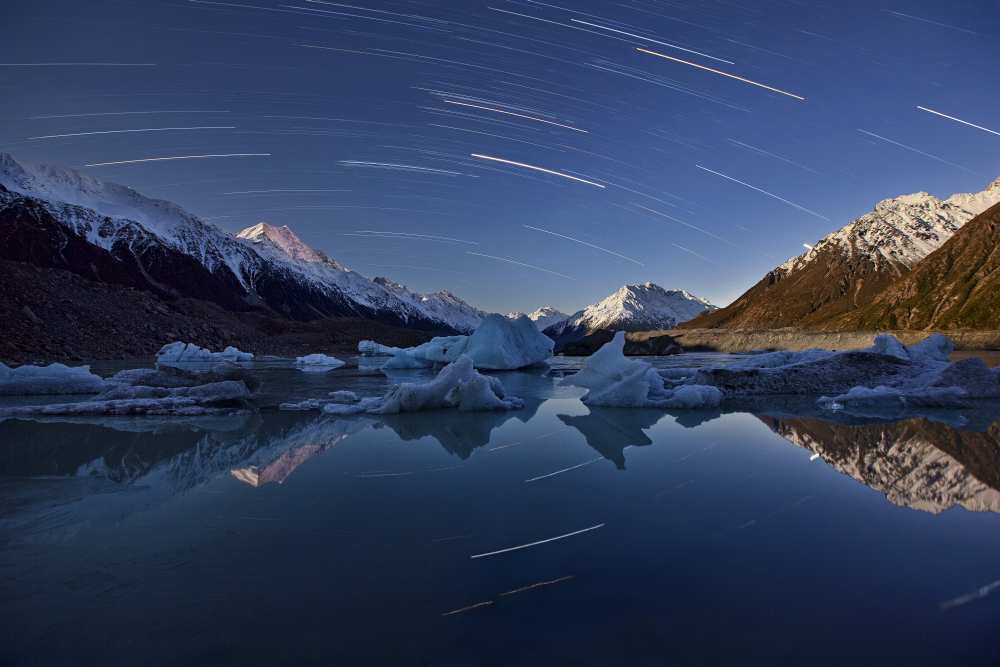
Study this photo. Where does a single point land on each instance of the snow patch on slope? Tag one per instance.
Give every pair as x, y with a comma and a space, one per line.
902, 230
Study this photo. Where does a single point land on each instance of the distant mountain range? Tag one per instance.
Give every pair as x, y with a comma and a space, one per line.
543, 318
641, 307
59, 218
884, 257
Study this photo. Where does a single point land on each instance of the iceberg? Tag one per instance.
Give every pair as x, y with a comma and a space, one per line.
499, 343
318, 363
123, 400
370, 348
458, 385
49, 380
614, 381
189, 352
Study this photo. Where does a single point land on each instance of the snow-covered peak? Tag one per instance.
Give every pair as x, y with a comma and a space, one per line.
543, 317
442, 306
641, 307
62, 184
902, 230
99, 210
285, 240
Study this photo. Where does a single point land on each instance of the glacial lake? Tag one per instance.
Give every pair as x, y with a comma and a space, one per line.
770, 533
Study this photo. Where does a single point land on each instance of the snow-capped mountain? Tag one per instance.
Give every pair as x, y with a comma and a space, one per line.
635, 308
902, 230
853, 265
543, 317
441, 305
284, 239
167, 250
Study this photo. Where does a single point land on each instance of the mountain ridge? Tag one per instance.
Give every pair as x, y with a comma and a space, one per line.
851, 266
267, 266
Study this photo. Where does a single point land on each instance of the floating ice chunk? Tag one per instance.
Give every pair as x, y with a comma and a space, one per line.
618, 382
207, 399
694, 396
435, 352
370, 348
337, 398
458, 385
343, 396
48, 380
189, 352
499, 343
890, 345
320, 363
170, 376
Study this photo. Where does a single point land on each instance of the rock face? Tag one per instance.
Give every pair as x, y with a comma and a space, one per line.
955, 287
632, 308
916, 463
851, 267
56, 217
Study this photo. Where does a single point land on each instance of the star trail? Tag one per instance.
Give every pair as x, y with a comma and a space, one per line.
577, 146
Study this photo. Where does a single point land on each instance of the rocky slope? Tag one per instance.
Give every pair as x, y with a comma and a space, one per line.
632, 308
955, 287
156, 245
852, 266
59, 315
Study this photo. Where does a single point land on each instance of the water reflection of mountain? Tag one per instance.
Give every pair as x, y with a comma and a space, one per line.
276, 461
917, 463
80, 468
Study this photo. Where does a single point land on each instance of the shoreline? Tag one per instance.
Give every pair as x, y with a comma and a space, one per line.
741, 341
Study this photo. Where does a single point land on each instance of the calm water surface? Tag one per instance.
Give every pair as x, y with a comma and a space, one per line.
763, 536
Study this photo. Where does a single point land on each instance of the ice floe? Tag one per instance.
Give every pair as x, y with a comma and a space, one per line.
222, 389
372, 349
189, 352
499, 343
49, 380
457, 385
318, 363
612, 380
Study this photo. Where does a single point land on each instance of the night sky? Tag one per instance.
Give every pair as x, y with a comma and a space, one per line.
357, 119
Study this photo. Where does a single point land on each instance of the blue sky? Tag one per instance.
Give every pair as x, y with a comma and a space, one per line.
370, 113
